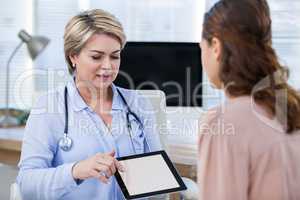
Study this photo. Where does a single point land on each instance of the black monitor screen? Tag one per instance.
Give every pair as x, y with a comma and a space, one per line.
174, 68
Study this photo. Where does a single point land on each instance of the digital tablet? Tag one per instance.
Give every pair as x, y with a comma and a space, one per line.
148, 174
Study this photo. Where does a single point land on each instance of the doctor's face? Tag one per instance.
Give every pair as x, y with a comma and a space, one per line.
98, 62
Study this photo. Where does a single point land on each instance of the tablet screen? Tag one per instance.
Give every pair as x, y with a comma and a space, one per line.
148, 174
142, 175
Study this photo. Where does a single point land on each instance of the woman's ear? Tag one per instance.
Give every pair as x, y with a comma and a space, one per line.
216, 46
73, 57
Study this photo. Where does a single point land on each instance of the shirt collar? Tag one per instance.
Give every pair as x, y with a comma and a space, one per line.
117, 103
77, 101
79, 104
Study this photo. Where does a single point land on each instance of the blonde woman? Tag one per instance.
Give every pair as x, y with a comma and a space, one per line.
70, 152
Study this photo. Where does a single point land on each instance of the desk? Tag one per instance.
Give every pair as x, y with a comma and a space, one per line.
10, 145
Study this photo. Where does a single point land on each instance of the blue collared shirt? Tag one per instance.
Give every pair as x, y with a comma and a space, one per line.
45, 169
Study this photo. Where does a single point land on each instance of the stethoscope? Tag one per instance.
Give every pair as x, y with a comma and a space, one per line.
66, 142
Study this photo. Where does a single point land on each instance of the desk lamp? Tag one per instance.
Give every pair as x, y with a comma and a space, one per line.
35, 45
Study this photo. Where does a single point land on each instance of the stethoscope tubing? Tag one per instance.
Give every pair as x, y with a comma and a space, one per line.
66, 143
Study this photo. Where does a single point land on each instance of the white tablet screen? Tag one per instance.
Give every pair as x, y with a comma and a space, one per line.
147, 174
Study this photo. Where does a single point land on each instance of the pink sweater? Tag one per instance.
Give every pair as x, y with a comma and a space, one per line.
243, 155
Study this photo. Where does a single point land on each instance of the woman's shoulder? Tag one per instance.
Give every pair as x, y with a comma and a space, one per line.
126, 92
244, 119
240, 111
137, 101
209, 119
133, 97
233, 117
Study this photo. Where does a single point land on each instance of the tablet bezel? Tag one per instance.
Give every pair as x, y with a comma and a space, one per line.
169, 164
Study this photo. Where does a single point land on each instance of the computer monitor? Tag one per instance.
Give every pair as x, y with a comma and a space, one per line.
174, 68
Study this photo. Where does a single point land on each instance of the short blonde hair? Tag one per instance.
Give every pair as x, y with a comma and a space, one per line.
82, 26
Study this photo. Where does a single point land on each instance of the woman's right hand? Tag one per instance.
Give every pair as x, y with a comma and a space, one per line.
101, 166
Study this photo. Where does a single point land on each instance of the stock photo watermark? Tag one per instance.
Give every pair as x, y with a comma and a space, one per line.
60, 78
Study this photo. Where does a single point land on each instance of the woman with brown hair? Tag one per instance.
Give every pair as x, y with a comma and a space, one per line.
249, 148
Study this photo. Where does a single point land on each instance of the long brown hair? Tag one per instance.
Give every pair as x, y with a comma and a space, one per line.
249, 64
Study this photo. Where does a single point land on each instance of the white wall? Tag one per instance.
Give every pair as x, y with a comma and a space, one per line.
286, 35
14, 15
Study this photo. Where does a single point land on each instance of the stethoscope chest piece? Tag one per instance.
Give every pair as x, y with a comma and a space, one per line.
65, 143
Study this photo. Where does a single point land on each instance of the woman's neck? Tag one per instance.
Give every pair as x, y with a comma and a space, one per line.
96, 98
